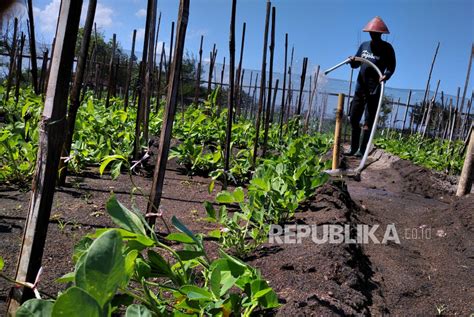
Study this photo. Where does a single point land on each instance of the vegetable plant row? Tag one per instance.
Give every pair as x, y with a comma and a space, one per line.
438, 154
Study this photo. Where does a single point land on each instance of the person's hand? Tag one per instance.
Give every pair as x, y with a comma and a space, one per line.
383, 78
351, 59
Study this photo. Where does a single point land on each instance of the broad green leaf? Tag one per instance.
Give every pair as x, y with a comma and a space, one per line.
196, 293
66, 278
211, 212
136, 310
260, 184
75, 302
103, 267
239, 195
125, 218
225, 198
107, 160
181, 227
180, 237
187, 255
2, 263
35, 308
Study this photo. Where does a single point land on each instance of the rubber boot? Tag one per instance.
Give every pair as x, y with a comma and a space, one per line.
363, 145
355, 137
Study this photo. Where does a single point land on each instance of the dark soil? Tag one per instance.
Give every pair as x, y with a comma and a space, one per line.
416, 277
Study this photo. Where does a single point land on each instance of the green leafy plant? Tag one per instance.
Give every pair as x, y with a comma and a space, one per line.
117, 267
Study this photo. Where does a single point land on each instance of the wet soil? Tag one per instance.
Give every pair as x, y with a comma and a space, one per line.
425, 274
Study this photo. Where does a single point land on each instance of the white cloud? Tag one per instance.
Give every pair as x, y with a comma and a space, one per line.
47, 17
141, 13
103, 16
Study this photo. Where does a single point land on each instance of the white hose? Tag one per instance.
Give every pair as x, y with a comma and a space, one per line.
358, 170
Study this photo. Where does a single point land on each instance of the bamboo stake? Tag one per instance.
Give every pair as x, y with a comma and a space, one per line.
52, 127
34, 65
467, 174
213, 56
12, 59
270, 80
262, 84
275, 92
406, 110
428, 82
149, 71
311, 99
160, 69
171, 48
231, 99
467, 81
44, 69
111, 70
239, 71
282, 106
76, 91
290, 90
168, 118
129, 71
302, 82
348, 107
198, 74
337, 132
19, 67
141, 109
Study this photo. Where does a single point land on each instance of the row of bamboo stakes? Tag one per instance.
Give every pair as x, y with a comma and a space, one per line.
57, 117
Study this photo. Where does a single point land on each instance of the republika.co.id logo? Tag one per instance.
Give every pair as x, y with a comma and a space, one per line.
333, 234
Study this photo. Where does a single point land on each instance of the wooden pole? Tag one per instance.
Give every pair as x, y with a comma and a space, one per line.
11, 67
311, 99
262, 84
111, 70
34, 64
231, 97
141, 81
348, 107
471, 56
171, 52
213, 56
302, 82
129, 71
275, 93
51, 137
147, 91
467, 174
406, 110
168, 118
428, 82
282, 106
160, 70
270, 80
290, 86
239, 72
248, 106
76, 90
44, 69
337, 132
19, 67
198, 74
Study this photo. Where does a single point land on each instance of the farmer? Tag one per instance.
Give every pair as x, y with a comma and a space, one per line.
367, 92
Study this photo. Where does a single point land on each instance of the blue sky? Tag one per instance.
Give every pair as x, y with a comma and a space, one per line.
325, 31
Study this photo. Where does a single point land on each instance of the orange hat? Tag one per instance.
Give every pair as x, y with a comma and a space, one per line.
376, 25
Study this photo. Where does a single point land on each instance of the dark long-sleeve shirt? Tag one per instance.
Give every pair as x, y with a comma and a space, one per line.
380, 53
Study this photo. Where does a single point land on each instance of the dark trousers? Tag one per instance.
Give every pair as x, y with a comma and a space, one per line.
365, 101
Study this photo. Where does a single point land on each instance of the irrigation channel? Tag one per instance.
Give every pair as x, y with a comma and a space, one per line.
151, 183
